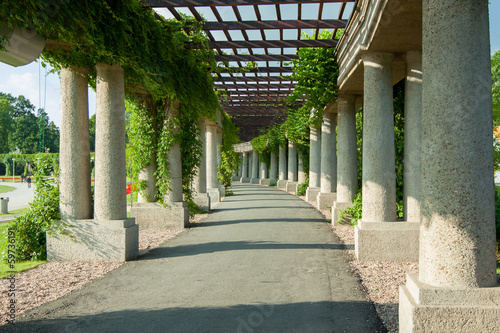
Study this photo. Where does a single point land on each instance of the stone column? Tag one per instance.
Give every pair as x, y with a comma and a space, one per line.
147, 175
244, 168
328, 179
413, 136
74, 152
212, 186
282, 180
314, 164
111, 236
291, 185
273, 171
301, 175
347, 174
200, 195
255, 168
263, 170
377, 235
457, 288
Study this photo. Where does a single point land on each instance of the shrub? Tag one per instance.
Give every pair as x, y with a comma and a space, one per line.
31, 226
301, 188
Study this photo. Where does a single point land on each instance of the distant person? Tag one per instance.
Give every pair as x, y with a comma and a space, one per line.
22, 178
28, 180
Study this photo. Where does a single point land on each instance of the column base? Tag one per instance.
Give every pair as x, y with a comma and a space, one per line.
326, 200
91, 240
387, 241
202, 200
272, 182
222, 190
337, 208
245, 180
291, 187
254, 180
282, 184
154, 216
214, 195
312, 193
423, 308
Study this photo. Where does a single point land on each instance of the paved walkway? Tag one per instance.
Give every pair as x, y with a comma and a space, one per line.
263, 261
18, 198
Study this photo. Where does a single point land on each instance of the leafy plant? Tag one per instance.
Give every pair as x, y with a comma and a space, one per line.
31, 226
355, 211
302, 188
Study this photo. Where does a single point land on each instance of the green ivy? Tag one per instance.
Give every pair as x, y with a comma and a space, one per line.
230, 160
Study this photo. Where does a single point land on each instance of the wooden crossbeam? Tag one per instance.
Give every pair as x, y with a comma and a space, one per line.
276, 24
252, 86
266, 44
251, 79
258, 70
256, 57
186, 3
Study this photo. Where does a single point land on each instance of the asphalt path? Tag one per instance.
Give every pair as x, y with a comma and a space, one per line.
263, 261
20, 197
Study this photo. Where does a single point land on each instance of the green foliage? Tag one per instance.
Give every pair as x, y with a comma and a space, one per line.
302, 188
92, 132
31, 226
230, 160
497, 219
316, 72
260, 144
495, 76
355, 211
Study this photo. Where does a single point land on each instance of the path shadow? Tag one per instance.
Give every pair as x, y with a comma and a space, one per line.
213, 247
209, 223
304, 317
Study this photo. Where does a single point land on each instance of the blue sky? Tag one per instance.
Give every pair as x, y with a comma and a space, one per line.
26, 80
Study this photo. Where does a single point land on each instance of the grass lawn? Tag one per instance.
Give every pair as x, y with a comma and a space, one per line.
5, 188
19, 266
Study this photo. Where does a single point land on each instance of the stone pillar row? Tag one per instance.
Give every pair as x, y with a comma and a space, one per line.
328, 167
314, 164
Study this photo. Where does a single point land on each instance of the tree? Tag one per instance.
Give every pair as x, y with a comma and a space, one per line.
495, 78
5, 124
92, 132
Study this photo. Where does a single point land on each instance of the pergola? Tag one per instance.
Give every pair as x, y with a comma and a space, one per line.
267, 32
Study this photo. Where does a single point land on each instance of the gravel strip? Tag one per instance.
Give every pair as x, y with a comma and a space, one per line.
381, 279
52, 280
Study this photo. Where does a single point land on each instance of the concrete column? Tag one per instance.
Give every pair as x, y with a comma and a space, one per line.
148, 175
212, 186
413, 136
378, 236
174, 159
301, 175
282, 159
314, 164
211, 137
110, 173
244, 168
219, 146
255, 168
75, 198
328, 179
200, 180
110, 236
291, 185
273, 171
263, 170
347, 182
457, 280
379, 170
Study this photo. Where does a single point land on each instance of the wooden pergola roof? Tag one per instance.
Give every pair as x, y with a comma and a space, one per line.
267, 32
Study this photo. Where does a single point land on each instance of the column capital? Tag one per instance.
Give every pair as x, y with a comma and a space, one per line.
377, 58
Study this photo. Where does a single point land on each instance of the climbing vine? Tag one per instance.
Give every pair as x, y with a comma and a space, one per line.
230, 160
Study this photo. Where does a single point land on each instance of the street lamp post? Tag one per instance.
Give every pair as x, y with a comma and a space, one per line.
13, 169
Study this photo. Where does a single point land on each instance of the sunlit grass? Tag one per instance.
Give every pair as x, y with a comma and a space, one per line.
5, 188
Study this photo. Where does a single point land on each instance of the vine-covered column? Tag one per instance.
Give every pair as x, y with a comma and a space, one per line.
291, 185
328, 179
111, 236
282, 159
413, 136
74, 151
200, 197
378, 236
314, 164
255, 168
212, 186
457, 278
